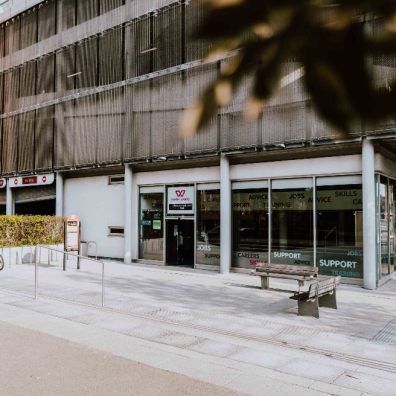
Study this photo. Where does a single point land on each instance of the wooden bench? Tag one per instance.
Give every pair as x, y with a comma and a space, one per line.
300, 273
320, 294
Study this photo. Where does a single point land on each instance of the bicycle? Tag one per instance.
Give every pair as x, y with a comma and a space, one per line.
1, 262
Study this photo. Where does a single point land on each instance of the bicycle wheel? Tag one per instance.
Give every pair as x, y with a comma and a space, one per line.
1, 262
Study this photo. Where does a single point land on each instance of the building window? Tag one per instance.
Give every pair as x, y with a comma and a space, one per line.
340, 226
250, 223
151, 224
116, 179
292, 222
116, 231
208, 224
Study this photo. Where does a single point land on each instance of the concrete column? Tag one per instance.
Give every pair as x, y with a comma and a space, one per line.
59, 194
225, 216
128, 214
369, 216
10, 202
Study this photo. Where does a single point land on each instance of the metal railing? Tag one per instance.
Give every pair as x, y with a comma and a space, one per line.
65, 259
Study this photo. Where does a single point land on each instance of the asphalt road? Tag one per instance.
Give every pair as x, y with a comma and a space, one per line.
33, 363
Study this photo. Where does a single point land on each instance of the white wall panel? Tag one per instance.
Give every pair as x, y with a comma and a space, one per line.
99, 206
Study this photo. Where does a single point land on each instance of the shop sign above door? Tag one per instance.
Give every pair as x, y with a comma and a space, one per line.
181, 200
33, 180
3, 183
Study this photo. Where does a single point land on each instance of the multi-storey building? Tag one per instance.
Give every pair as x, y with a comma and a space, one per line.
91, 96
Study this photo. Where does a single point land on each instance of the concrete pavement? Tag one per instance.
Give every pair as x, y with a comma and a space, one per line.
219, 329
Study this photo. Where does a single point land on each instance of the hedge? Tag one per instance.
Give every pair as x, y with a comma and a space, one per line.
30, 230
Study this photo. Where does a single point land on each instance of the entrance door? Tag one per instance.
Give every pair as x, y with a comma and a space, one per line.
180, 242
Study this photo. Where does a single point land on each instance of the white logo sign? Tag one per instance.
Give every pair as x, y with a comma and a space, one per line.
33, 180
181, 200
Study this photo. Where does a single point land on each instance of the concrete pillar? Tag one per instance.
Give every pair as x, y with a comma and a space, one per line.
10, 202
128, 214
59, 194
369, 216
225, 216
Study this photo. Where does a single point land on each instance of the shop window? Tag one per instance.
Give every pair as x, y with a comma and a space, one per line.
250, 223
292, 222
340, 226
151, 225
208, 224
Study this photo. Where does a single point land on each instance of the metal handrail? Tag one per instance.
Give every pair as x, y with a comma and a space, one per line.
65, 252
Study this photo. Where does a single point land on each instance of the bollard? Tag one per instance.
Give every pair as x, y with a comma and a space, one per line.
103, 285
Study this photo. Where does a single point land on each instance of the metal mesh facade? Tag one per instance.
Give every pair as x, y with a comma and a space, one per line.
96, 82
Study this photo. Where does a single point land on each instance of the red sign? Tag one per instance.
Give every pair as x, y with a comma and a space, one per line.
3, 182
28, 180
180, 193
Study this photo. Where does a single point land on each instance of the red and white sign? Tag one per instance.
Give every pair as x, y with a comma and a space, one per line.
33, 180
3, 183
72, 233
181, 200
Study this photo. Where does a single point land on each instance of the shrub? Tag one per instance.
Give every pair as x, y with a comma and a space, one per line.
30, 230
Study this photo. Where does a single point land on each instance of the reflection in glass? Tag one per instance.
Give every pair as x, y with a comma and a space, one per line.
383, 224
292, 225
340, 230
250, 226
208, 227
151, 226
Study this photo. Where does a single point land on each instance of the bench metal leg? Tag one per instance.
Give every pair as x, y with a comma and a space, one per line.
308, 308
264, 282
328, 300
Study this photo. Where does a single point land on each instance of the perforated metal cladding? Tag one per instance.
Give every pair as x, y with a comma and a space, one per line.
9, 145
64, 134
108, 5
46, 20
86, 10
67, 13
110, 124
85, 131
12, 34
44, 138
31, 194
196, 82
167, 105
235, 132
111, 65
87, 64
27, 85
138, 43
28, 35
65, 71
11, 90
167, 38
26, 148
45, 85
195, 14
138, 121
286, 123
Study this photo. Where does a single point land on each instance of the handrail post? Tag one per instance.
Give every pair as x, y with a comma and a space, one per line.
103, 285
36, 262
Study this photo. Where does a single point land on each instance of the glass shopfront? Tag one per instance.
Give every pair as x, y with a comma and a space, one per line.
386, 225
151, 246
250, 223
339, 226
292, 222
208, 224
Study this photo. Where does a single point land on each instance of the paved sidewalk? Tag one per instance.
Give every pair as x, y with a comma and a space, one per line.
221, 323
34, 363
